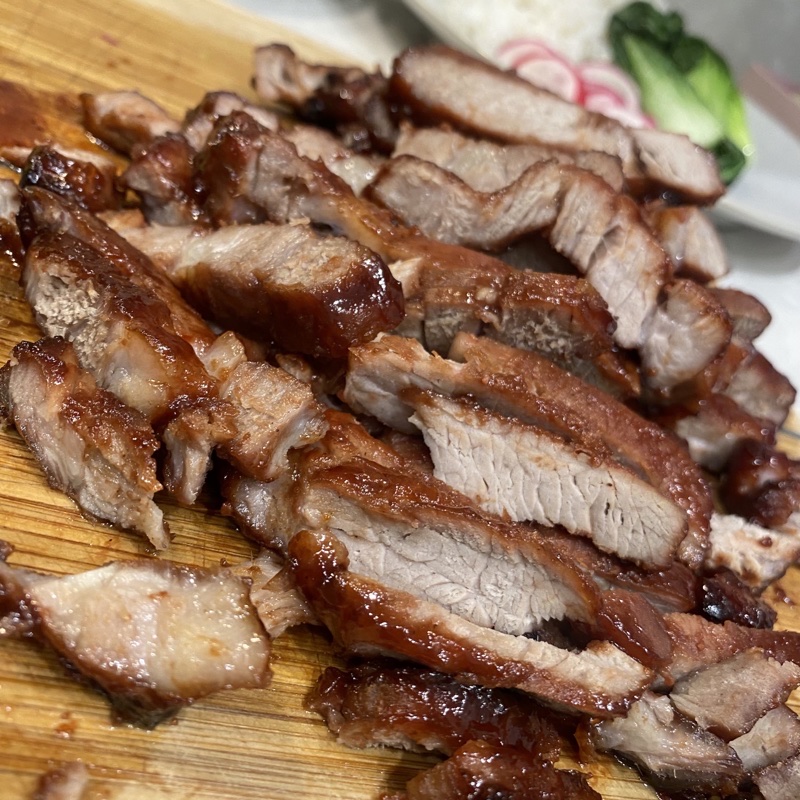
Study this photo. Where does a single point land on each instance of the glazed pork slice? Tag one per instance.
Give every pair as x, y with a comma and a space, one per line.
385, 705
346, 98
152, 635
780, 781
309, 293
774, 738
672, 752
758, 555
125, 119
728, 698
488, 166
530, 388
585, 220
749, 315
480, 769
439, 85
698, 643
89, 179
124, 336
368, 618
526, 472
89, 445
691, 240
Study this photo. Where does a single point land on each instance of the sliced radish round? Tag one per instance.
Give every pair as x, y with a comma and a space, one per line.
608, 105
511, 46
553, 75
611, 77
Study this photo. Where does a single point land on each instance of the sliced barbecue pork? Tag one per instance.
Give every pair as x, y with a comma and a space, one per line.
123, 333
346, 98
691, 240
672, 752
152, 635
698, 643
413, 533
530, 388
89, 180
527, 472
162, 174
369, 618
381, 704
758, 555
728, 698
479, 769
749, 315
125, 119
775, 737
250, 172
436, 84
90, 446
487, 166
309, 293
780, 781
600, 231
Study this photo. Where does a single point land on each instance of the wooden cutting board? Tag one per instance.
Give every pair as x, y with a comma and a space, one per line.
246, 744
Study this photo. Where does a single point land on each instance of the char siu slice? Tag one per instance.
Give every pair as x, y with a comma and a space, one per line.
346, 98
526, 472
125, 119
274, 595
479, 769
384, 705
698, 643
153, 635
672, 752
368, 618
530, 388
414, 533
43, 211
124, 336
89, 180
691, 240
248, 170
749, 315
309, 293
89, 445
600, 231
728, 698
775, 737
758, 555
487, 166
780, 781
436, 84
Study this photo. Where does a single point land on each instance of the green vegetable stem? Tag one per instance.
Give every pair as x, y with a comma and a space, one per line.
686, 86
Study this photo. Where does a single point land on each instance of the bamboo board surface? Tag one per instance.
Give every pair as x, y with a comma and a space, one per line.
246, 744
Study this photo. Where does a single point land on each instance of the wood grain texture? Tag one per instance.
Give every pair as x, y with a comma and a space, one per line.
246, 744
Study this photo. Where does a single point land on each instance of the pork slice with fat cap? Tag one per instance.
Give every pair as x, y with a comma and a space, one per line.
90, 446
672, 752
383, 704
123, 335
728, 698
525, 472
487, 166
598, 230
153, 635
532, 389
309, 293
749, 315
780, 781
435, 84
368, 618
125, 119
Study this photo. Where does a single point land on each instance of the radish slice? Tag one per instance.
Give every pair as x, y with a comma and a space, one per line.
508, 48
609, 106
555, 76
611, 77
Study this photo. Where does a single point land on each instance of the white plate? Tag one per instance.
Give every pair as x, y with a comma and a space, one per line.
766, 195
